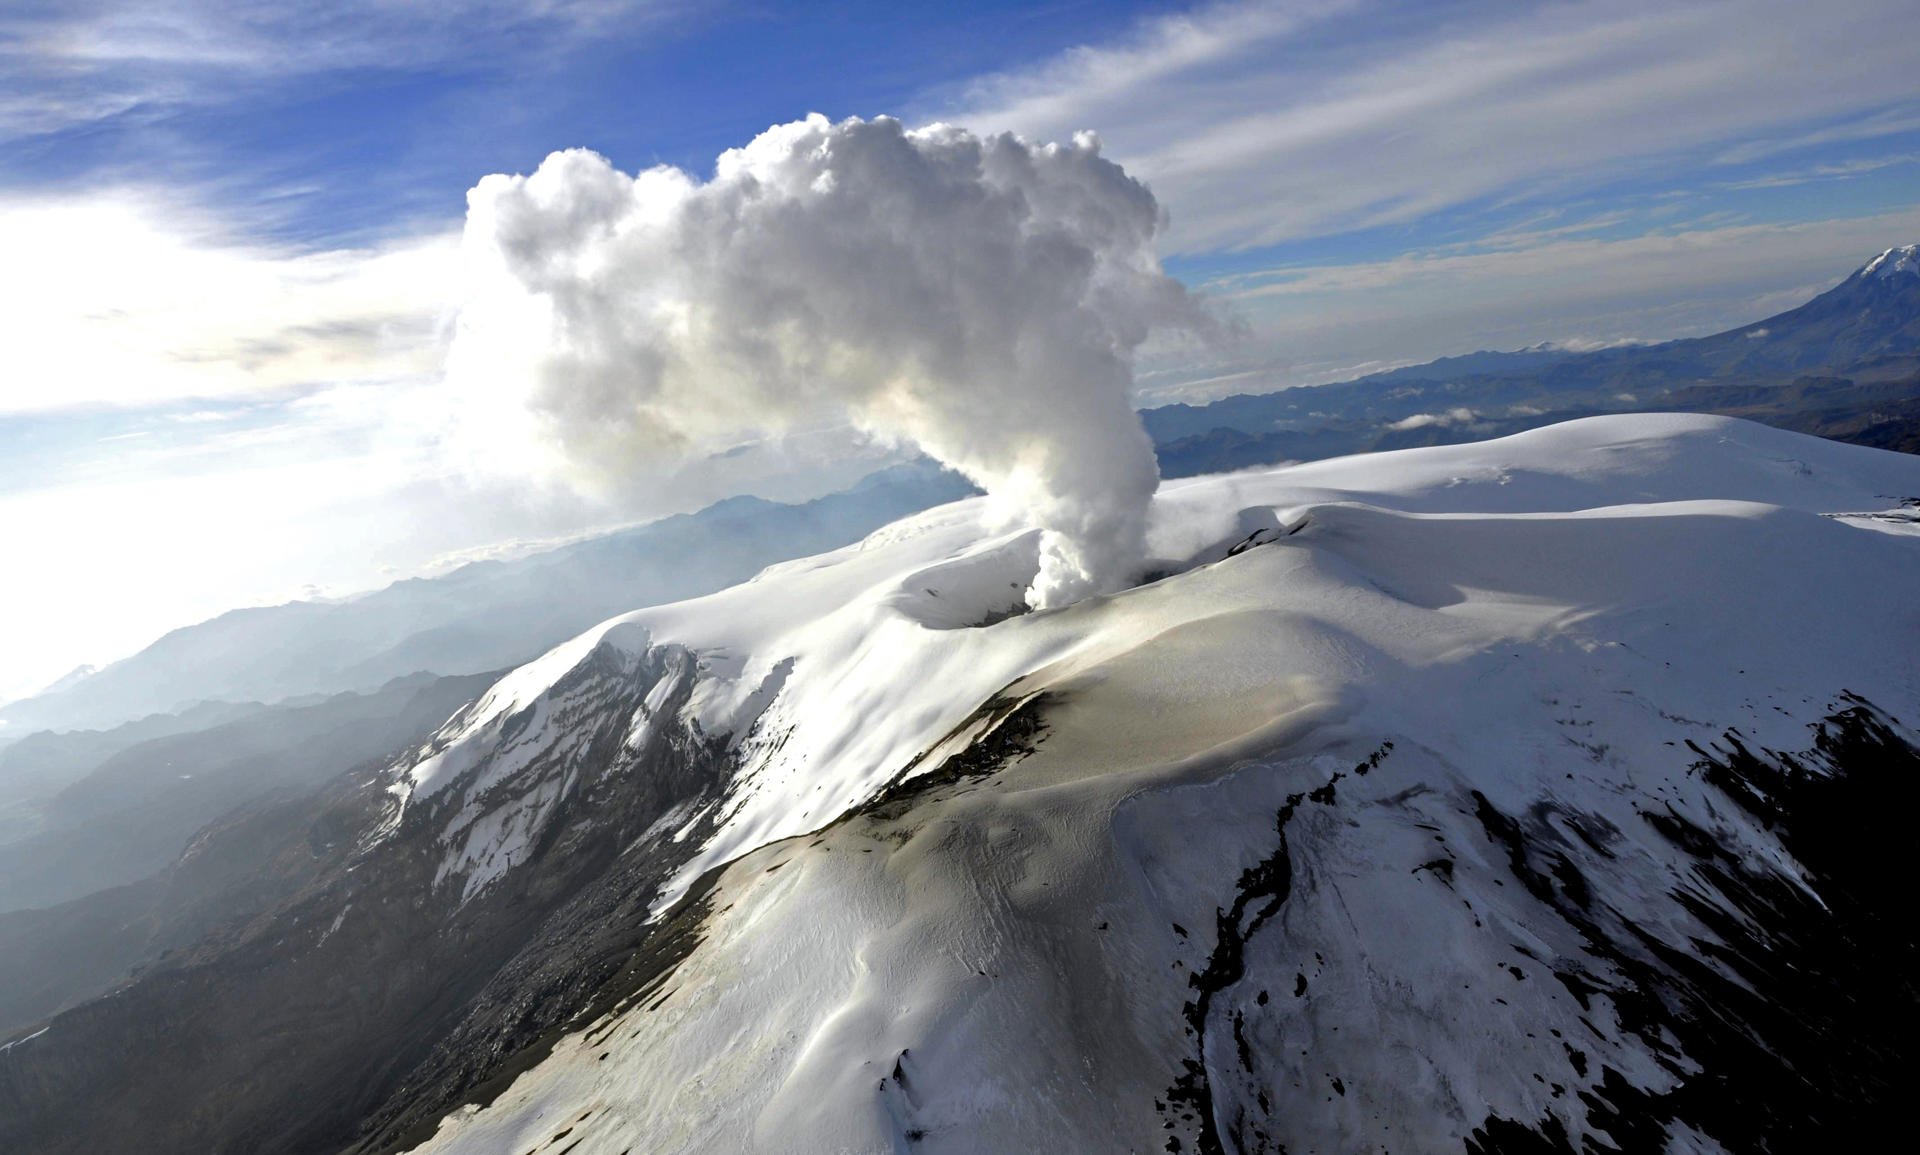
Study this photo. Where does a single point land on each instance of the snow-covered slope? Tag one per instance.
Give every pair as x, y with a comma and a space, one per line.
1903, 261
1422, 800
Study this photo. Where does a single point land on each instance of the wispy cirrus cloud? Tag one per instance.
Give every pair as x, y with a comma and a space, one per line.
1822, 252
1877, 125
1843, 170
68, 62
1262, 124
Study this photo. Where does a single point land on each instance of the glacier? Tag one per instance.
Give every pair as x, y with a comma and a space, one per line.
1419, 800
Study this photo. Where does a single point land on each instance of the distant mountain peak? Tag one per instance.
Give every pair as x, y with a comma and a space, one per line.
70, 679
1894, 262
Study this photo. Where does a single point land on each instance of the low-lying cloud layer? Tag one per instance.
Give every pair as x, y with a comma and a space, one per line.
981, 298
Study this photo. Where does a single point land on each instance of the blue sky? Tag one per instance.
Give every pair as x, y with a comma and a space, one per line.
232, 227
375, 119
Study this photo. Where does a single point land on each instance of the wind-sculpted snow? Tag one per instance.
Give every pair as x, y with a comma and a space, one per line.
1369, 826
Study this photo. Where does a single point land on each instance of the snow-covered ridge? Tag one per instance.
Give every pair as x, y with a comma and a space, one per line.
1894, 262
833, 674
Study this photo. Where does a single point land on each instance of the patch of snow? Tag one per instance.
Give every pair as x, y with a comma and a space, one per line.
24, 1039
485, 847
337, 920
1894, 262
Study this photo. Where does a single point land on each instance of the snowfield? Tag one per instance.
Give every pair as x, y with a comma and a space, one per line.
1376, 822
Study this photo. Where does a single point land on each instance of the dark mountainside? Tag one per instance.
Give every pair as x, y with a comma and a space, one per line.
358, 1002
133, 812
43, 763
357, 980
140, 858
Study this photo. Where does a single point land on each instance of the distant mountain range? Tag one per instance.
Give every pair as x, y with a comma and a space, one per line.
134, 841
487, 615
138, 805
1845, 365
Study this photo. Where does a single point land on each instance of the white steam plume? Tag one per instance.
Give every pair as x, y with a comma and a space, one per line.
981, 298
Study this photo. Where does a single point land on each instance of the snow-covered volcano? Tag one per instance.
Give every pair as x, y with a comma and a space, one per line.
1544, 794
1381, 823
1903, 261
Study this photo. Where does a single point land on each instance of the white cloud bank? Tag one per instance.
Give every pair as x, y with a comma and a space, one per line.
1457, 416
979, 297
121, 299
